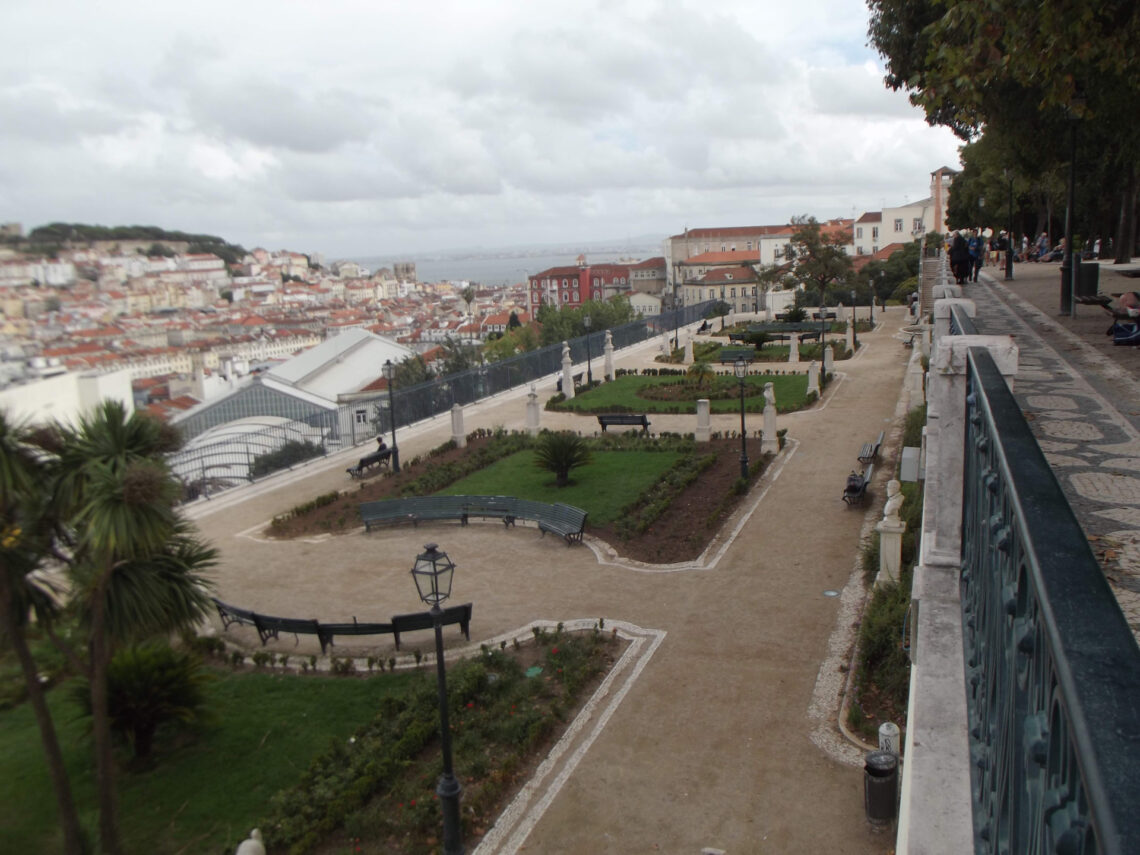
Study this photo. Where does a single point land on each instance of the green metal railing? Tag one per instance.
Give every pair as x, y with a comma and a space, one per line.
1052, 668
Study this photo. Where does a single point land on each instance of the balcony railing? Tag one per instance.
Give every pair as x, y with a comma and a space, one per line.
1052, 668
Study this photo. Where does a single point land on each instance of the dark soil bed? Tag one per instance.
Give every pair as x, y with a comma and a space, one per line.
681, 533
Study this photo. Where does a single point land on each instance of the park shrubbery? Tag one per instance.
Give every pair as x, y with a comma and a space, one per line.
291, 452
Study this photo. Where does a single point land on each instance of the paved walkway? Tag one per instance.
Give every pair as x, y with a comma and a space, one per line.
718, 729
1081, 398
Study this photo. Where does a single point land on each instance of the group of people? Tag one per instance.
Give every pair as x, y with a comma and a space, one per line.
968, 250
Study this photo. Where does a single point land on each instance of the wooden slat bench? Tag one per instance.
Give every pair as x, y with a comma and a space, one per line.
870, 450
607, 419
855, 490
326, 632
564, 520
424, 620
731, 354
376, 458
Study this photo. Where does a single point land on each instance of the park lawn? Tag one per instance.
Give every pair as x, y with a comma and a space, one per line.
622, 395
201, 796
612, 480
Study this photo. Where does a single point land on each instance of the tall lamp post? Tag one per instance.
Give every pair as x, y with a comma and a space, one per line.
822, 321
433, 572
390, 376
720, 308
587, 323
1008, 175
740, 369
854, 330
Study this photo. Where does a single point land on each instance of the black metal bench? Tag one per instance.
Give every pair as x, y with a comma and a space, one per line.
870, 450
232, 614
828, 314
326, 632
565, 521
376, 458
269, 627
738, 336
607, 419
425, 620
855, 491
503, 508
731, 354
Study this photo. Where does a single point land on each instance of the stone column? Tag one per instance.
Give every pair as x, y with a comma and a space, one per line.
793, 348
813, 378
608, 349
828, 359
850, 335
533, 412
890, 529
770, 442
703, 432
942, 313
457, 432
567, 372
688, 349
945, 432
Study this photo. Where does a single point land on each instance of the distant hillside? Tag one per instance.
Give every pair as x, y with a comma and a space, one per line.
51, 238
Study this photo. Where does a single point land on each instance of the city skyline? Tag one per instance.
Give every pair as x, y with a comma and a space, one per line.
372, 129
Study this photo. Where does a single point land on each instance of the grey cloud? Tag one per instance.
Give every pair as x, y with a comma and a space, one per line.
854, 92
38, 116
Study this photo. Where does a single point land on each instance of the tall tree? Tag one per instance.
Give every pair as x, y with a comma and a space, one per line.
25, 540
815, 259
135, 564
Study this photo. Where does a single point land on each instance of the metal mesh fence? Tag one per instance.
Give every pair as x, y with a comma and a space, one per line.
240, 451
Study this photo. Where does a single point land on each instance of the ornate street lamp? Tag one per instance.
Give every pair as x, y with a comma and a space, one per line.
433, 572
854, 331
587, 323
390, 376
740, 369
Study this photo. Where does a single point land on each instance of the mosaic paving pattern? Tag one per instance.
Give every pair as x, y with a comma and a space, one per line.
1091, 445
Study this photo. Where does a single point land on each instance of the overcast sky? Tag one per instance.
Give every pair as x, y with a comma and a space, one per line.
361, 127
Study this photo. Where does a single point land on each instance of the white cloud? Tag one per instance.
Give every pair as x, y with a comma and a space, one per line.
367, 127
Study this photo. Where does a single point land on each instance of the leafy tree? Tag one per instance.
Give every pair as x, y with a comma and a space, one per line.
468, 297
458, 356
149, 685
559, 452
513, 322
412, 371
134, 564
1035, 76
815, 260
26, 532
701, 373
293, 451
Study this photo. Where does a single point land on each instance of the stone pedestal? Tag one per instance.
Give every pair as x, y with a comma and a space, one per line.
608, 350
813, 378
703, 431
770, 442
850, 337
567, 372
890, 550
828, 359
793, 348
689, 350
457, 433
533, 412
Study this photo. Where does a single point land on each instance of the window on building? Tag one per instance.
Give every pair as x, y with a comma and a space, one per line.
360, 417
898, 225
576, 300
875, 234
859, 231
874, 249
749, 244
916, 225
732, 292
565, 296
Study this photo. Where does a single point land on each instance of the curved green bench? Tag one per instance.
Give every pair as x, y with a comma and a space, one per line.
567, 521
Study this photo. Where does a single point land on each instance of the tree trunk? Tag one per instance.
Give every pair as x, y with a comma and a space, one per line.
65, 805
101, 726
1126, 228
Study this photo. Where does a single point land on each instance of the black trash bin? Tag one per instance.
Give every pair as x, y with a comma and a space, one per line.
881, 786
1088, 282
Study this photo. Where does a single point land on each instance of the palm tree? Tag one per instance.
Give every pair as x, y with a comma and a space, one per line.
134, 564
25, 539
559, 452
700, 373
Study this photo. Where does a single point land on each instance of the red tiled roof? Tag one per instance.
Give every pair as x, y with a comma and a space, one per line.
734, 231
727, 257
724, 275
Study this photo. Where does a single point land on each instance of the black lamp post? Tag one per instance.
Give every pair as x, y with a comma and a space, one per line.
740, 369
390, 376
854, 331
720, 308
1008, 174
822, 321
433, 572
587, 323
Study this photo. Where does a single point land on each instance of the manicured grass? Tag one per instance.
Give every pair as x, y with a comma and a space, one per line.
603, 487
203, 795
622, 394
